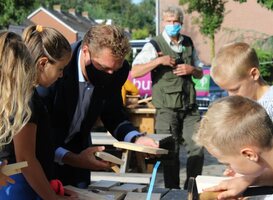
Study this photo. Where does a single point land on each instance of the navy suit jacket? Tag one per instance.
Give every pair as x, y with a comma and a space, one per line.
106, 103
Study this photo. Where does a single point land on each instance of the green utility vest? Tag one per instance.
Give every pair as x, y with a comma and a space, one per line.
169, 90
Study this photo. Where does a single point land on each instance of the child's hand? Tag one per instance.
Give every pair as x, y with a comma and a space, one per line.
4, 180
229, 172
232, 188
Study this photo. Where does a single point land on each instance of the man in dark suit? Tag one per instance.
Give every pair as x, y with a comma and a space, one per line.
91, 88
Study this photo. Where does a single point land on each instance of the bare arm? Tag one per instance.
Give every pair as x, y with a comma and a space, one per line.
25, 145
142, 69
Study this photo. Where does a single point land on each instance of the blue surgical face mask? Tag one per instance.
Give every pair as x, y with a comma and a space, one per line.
173, 29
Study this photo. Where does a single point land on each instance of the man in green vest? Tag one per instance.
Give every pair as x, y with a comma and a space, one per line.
172, 61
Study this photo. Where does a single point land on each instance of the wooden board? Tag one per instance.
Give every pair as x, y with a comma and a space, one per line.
203, 182
140, 196
144, 100
13, 168
176, 194
96, 194
128, 187
102, 138
140, 148
109, 157
103, 185
142, 110
122, 177
162, 191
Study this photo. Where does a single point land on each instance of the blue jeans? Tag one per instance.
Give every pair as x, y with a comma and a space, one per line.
21, 190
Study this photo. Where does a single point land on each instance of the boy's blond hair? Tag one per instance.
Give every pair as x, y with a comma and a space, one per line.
234, 61
234, 122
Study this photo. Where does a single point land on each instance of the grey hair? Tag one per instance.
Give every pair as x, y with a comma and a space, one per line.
176, 11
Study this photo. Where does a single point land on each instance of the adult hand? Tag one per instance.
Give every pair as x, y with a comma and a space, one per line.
183, 69
144, 140
166, 60
147, 141
232, 188
4, 180
88, 159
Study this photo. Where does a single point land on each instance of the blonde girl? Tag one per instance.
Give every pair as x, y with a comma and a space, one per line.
17, 76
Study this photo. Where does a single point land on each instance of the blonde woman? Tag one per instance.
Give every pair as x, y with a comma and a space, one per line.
35, 143
17, 76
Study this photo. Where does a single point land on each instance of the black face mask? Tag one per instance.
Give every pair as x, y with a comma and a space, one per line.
98, 77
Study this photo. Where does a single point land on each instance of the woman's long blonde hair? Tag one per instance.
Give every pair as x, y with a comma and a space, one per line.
17, 76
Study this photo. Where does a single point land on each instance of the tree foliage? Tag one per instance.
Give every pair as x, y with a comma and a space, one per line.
266, 3
14, 11
211, 17
266, 64
123, 12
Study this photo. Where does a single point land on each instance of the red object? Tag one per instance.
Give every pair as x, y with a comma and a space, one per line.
57, 186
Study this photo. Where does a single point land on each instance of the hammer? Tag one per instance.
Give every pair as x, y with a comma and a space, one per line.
251, 191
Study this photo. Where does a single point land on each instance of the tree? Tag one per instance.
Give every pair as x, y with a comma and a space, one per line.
14, 12
264, 49
123, 12
266, 64
266, 3
211, 17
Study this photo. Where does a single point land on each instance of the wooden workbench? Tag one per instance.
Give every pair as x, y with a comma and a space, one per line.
143, 118
128, 192
105, 138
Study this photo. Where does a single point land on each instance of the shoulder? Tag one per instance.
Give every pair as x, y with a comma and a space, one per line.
75, 46
35, 105
187, 41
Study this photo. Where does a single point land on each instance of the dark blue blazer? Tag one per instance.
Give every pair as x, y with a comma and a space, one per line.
105, 102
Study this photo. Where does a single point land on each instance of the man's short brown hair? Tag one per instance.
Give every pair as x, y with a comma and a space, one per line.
99, 37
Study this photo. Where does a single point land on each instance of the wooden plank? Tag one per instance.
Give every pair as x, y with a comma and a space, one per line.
126, 157
105, 138
102, 138
109, 157
84, 194
144, 100
103, 185
138, 196
142, 110
128, 187
140, 148
162, 191
203, 181
95, 194
14, 168
115, 168
176, 194
122, 177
